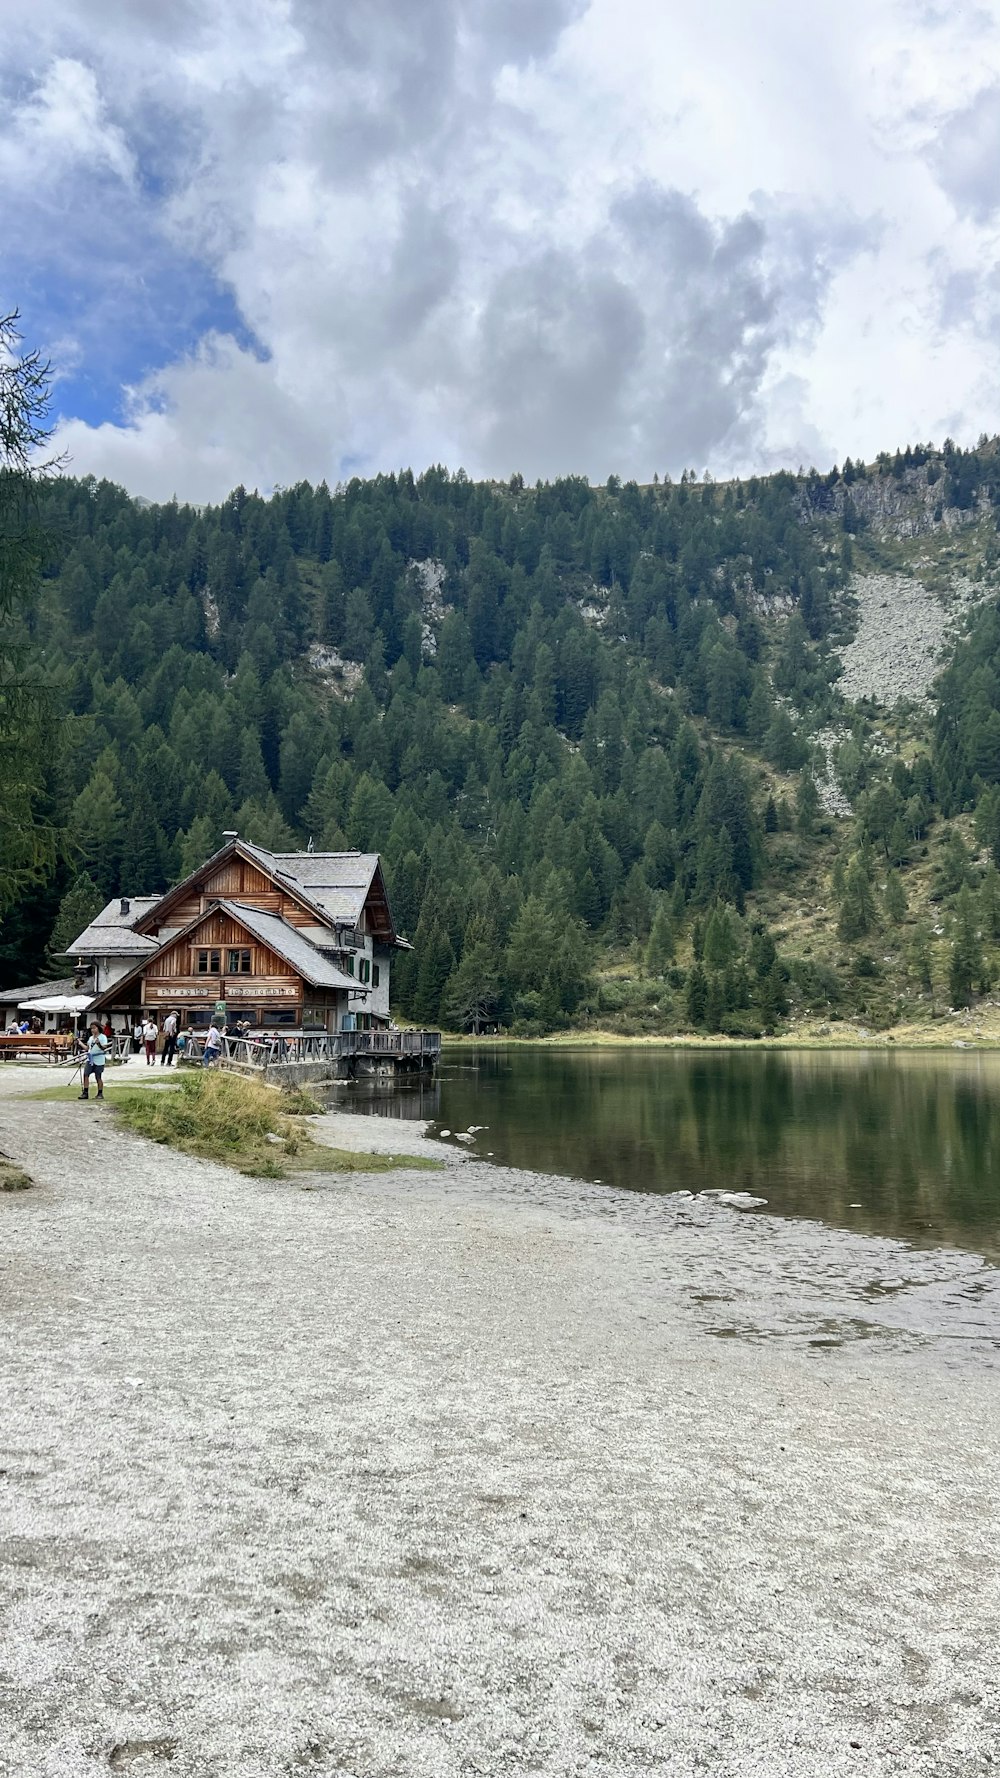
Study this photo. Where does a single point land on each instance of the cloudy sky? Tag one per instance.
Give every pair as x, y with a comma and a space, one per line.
267, 240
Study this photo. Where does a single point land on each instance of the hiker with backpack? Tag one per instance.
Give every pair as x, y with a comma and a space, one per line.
97, 1055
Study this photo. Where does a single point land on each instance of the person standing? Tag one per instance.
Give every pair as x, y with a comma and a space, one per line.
169, 1039
149, 1036
213, 1046
97, 1055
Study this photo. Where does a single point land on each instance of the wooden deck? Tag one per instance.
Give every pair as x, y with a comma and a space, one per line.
346, 1053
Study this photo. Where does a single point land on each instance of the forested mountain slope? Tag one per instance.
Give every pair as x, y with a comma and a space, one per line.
595, 732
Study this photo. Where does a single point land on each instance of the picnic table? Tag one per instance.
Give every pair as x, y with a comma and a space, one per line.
51, 1045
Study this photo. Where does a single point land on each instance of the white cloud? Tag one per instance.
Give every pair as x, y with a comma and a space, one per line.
62, 122
195, 427
538, 234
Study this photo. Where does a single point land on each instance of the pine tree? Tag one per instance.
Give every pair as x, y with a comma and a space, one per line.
696, 995
436, 961
472, 995
81, 904
898, 843
251, 779
721, 941
28, 736
715, 1002
807, 803
857, 906
782, 746
989, 903
96, 829
661, 947
771, 998
953, 864
920, 957
894, 899
966, 962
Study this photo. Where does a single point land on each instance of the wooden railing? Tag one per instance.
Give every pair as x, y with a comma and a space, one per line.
268, 1049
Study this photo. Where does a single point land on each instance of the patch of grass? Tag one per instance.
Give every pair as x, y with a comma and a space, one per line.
229, 1118
347, 1160
219, 1116
300, 1103
52, 1094
14, 1179
240, 1122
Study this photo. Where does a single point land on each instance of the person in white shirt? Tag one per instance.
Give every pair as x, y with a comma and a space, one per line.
149, 1036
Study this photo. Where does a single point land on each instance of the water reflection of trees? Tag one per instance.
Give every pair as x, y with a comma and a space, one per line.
911, 1137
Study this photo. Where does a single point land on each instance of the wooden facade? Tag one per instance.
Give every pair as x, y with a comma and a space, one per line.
218, 959
238, 880
209, 954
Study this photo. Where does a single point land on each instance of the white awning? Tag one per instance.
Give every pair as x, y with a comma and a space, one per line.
57, 1003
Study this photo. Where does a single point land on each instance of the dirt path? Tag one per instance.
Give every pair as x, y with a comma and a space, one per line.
432, 1475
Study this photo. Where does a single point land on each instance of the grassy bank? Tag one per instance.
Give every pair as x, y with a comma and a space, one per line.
242, 1123
978, 1029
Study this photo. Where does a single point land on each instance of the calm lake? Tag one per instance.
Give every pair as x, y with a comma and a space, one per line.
890, 1144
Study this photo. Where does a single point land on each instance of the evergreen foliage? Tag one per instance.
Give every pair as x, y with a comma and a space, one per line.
531, 701
28, 732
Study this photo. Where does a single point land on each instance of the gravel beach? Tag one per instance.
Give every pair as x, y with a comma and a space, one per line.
427, 1474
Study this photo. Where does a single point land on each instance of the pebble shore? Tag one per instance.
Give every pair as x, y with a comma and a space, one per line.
422, 1475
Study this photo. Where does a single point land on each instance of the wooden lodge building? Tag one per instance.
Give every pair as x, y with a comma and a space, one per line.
284, 940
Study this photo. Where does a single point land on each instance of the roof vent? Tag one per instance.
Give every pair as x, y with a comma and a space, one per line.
124, 904
230, 833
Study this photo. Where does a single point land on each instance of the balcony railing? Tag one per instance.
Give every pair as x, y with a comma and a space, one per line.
271, 1048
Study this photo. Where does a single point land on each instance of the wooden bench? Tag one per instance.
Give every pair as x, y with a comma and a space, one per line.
41, 1043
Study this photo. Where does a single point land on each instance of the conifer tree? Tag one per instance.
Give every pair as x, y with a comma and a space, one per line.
715, 1001
771, 998
807, 803
966, 963
721, 941
81, 903
661, 947
894, 898
857, 906
27, 739
696, 995
435, 963
921, 957
989, 903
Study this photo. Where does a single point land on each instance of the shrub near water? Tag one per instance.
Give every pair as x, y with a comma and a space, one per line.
244, 1124
223, 1117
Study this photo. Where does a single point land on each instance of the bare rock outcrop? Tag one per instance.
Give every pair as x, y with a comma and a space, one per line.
903, 636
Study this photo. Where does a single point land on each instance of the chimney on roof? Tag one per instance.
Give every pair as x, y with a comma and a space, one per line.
230, 833
124, 904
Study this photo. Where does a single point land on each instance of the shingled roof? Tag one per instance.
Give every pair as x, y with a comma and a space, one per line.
38, 990
111, 933
287, 942
335, 882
